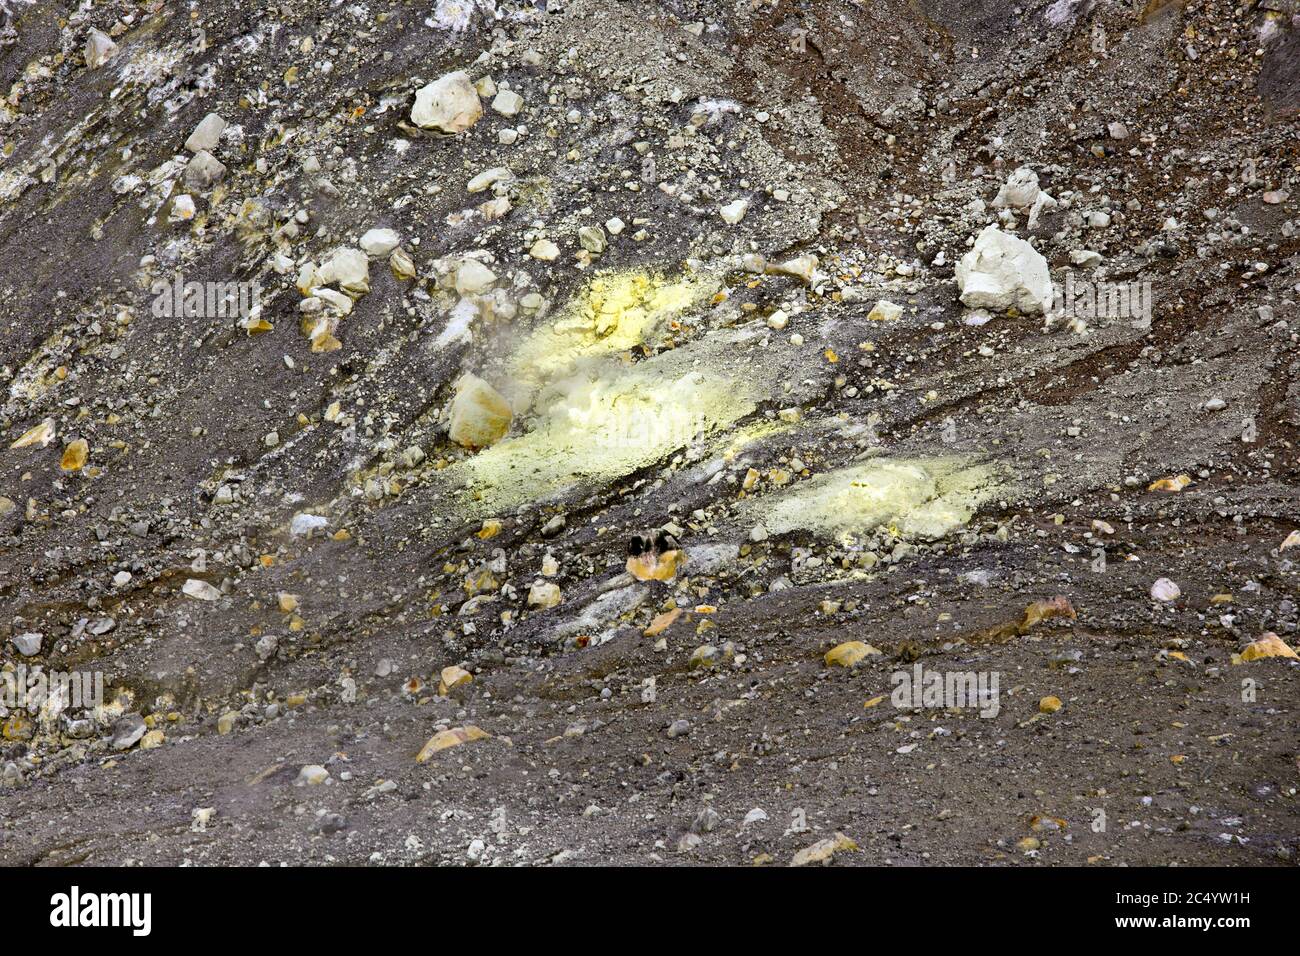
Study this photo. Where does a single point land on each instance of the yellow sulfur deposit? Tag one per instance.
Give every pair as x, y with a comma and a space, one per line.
908, 498
603, 429
615, 312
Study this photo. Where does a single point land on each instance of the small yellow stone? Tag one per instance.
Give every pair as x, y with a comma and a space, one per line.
74, 456
288, 602
453, 737
662, 622
823, 850
453, 676
1176, 483
849, 653
1049, 705
705, 655
652, 567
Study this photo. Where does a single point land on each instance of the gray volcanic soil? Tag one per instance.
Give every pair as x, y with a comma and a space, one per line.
873, 136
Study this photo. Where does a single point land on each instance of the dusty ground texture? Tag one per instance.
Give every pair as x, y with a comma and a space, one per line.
660, 373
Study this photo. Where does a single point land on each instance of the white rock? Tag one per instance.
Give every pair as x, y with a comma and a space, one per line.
347, 268
1020, 191
99, 49
207, 134
312, 775
1003, 272
337, 301
201, 590
449, 104
488, 178
380, 242
508, 103
304, 524
1165, 590
734, 211
28, 644
474, 278
204, 170
545, 250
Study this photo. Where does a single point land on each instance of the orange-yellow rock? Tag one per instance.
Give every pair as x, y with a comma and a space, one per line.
656, 567
849, 653
1268, 645
75, 455
453, 737
453, 676
662, 622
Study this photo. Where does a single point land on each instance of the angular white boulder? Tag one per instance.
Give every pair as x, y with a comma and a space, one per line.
99, 49
380, 242
207, 134
204, 170
1022, 193
1003, 272
347, 268
449, 104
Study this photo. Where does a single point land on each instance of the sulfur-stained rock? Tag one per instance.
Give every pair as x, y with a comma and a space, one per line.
479, 415
823, 850
451, 678
849, 653
452, 737
656, 566
74, 456
1268, 645
544, 594
41, 435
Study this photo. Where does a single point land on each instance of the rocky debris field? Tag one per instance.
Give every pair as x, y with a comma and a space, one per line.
472, 432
